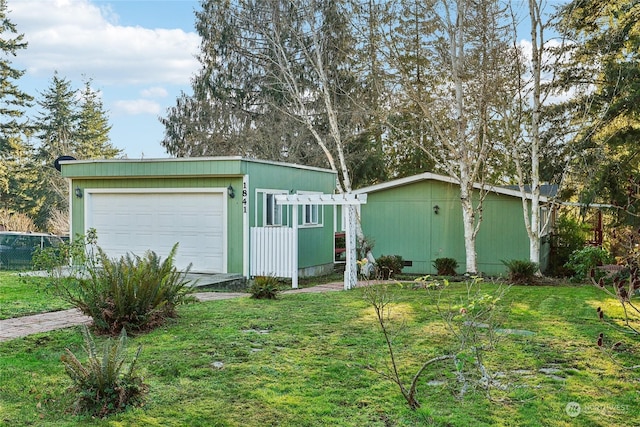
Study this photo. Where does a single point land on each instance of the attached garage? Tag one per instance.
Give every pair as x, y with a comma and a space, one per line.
209, 206
132, 221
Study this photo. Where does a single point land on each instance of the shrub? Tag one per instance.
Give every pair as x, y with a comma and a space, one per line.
389, 265
264, 287
585, 260
569, 235
445, 266
521, 271
132, 292
103, 385
136, 293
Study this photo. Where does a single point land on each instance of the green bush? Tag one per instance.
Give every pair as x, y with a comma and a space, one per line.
103, 385
569, 236
585, 260
264, 287
389, 265
136, 293
521, 271
445, 266
132, 292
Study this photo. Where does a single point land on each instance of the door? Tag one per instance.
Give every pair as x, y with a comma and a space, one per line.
134, 221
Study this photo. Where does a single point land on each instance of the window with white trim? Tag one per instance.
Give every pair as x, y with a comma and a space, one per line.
311, 213
273, 214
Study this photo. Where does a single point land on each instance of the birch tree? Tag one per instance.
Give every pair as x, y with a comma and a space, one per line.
281, 80
521, 117
456, 81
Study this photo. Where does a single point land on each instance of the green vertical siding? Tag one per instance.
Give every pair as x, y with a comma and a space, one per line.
316, 243
401, 221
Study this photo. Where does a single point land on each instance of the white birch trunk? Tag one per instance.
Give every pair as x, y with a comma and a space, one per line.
464, 153
468, 218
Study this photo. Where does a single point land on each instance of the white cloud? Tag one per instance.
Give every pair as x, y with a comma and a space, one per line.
76, 37
137, 106
154, 92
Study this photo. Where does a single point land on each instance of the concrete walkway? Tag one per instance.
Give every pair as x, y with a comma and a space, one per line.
45, 322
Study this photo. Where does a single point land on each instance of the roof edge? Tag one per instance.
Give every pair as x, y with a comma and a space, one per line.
200, 159
442, 178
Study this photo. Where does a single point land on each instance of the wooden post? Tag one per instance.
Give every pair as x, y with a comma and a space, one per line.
294, 273
350, 203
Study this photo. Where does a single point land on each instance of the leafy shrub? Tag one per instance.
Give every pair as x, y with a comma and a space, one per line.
445, 266
389, 265
264, 287
103, 385
569, 236
585, 260
132, 292
521, 271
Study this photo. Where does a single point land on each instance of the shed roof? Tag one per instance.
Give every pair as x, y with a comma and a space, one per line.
429, 176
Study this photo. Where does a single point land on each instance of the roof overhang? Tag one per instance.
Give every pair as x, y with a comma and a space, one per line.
428, 176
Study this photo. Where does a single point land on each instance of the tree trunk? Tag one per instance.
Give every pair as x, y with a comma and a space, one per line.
468, 219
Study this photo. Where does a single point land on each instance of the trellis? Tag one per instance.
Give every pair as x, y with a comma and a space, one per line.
351, 202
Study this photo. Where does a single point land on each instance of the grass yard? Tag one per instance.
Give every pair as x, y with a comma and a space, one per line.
300, 361
25, 296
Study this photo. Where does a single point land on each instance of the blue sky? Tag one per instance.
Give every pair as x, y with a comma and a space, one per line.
139, 53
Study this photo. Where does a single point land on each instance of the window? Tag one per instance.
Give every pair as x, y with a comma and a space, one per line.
311, 213
311, 216
274, 211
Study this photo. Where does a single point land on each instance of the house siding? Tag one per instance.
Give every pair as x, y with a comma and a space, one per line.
315, 249
316, 243
401, 221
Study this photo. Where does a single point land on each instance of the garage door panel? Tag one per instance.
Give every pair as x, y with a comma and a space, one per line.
137, 222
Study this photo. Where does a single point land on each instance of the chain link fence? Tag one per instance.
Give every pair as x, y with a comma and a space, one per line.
17, 249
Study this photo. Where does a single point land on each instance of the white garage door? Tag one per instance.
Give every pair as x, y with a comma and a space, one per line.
134, 222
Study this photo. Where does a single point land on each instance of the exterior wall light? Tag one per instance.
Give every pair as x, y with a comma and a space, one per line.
436, 209
230, 191
78, 192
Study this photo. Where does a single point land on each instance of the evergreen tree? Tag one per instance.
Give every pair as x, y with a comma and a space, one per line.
228, 112
92, 129
13, 126
602, 66
280, 81
57, 120
69, 123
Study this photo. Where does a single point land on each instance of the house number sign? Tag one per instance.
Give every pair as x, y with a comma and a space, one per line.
244, 197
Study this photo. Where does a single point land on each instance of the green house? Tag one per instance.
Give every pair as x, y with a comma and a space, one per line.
420, 219
221, 211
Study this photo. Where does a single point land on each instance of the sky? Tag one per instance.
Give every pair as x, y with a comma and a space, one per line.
140, 54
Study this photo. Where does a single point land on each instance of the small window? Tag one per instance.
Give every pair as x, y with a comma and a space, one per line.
311, 216
273, 211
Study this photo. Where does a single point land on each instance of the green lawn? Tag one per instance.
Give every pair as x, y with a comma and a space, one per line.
21, 296
299, 361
